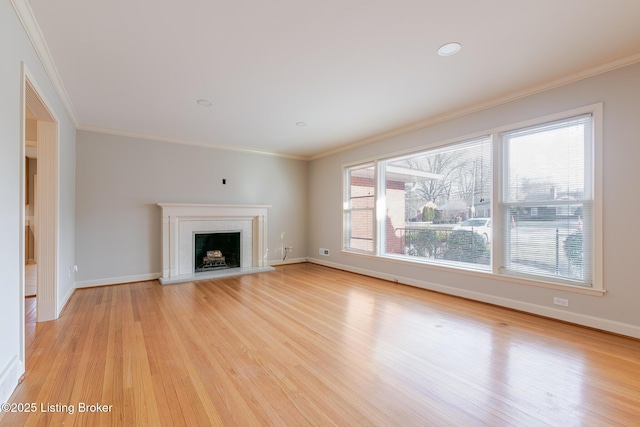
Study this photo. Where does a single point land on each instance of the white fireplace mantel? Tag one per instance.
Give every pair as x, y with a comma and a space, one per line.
181, 220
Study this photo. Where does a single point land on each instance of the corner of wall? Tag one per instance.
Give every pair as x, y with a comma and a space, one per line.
9, 378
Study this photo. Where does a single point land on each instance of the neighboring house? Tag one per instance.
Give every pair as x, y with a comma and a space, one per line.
549, 212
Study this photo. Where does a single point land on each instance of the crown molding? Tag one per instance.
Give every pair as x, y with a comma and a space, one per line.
30, 25
186, 142
572, 78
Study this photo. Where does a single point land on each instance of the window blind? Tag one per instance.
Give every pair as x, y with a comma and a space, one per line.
548, 199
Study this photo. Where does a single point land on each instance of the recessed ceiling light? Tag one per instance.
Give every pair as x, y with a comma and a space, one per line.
302, 124
204, 102
449, 49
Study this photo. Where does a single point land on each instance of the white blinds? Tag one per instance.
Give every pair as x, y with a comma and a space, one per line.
547, 197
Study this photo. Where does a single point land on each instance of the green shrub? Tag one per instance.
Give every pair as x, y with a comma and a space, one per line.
467, 246
573, 248
424, 243
428, 214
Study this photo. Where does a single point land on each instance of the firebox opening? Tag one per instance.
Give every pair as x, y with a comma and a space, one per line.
216, 251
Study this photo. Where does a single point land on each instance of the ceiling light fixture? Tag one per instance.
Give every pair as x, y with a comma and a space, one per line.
449, 49
302, 124
204, 102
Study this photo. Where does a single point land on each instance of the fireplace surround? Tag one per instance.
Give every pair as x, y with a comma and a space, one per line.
182, 221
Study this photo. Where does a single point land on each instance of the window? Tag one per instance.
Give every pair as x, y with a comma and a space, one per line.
359, 208
548, 197
436, 206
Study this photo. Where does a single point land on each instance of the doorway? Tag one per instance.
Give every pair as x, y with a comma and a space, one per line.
31, 197
39, 204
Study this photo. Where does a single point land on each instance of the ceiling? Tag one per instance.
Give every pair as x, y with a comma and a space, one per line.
352, 70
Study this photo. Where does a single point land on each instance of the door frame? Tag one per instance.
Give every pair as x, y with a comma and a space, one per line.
47, 208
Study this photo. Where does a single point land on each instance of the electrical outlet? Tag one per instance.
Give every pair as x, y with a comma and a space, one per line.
73, 269
324, 252
561, 301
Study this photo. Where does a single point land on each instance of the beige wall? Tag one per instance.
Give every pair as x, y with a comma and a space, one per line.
120, 180
16, 51
617, 309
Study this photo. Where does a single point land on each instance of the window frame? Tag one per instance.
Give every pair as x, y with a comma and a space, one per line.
347, 209
443, 148
596, 201
499, 220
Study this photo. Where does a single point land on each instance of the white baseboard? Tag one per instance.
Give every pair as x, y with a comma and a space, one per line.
287, 261
65, 300
118, 280
554, 313
9, 377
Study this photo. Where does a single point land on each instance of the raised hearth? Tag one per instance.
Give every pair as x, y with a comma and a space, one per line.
181, 222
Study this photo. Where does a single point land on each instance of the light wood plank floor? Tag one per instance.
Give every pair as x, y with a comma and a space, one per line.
30, 280
309, 345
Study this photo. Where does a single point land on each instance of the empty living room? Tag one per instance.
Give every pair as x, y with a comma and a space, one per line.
409, 213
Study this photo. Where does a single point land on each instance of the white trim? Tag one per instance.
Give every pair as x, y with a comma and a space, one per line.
493, 136
65, 300
228, 272
181, 219
30, 25
346, 198
25, 14
201, 144
553, 313
596, 111
21, 225
287, 261
585, 74
485, 274
48, 214
116, 280
9, 378
598, 195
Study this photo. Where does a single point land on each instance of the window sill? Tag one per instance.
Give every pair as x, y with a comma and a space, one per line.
484, 274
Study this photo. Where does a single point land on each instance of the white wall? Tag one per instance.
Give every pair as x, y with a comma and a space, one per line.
15, 49
617, 310
120, 180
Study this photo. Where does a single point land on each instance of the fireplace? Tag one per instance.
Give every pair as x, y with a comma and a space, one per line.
181, 222
216, 251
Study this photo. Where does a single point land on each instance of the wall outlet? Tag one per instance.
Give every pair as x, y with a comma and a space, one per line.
561, 301
73, 269
324, 252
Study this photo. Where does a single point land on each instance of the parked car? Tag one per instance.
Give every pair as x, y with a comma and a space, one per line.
481, 226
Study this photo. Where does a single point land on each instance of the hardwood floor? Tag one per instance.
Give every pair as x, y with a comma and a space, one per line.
30, 280
309, 345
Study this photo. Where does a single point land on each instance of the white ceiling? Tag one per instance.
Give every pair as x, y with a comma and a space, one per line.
353, 70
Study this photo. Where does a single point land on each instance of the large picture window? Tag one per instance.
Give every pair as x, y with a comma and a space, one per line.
522, 201
438, 204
